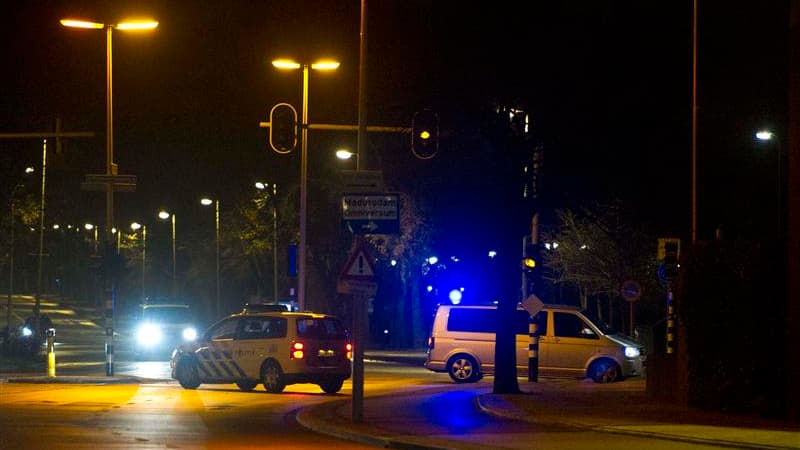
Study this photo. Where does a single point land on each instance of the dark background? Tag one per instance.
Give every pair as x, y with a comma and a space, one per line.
608, 84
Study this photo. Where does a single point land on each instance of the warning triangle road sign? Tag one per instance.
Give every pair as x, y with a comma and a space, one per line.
359, 266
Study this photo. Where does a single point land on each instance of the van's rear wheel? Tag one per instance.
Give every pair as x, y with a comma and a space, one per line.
604, 371
246, 385
463, 369
332, 386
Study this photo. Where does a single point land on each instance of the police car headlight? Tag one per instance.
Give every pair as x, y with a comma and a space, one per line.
189, 334
149, 334
631, 352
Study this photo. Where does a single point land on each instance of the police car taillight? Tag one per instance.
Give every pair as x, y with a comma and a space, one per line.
349, 349
297, 350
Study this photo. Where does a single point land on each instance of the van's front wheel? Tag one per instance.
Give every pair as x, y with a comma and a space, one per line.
463, 369
605, 371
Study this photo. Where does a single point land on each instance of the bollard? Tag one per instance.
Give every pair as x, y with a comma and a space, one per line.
51, 352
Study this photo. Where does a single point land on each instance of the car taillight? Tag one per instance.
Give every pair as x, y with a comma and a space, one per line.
431, 342
349, 350
297, 350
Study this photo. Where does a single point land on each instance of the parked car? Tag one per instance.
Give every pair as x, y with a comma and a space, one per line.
462, 343
273, 348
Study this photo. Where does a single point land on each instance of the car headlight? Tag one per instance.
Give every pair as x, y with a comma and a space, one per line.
189, 334
26, 331
149, 334
631, 352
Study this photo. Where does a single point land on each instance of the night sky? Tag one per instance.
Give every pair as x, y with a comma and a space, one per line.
608, 84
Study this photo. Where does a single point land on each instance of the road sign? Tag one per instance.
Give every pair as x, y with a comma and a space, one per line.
532, 304
104, 178
363, 180
630, 290
100, 181
662, 245
371, 213
358, 274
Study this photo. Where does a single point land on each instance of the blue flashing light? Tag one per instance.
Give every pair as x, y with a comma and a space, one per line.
429, 288
455, 296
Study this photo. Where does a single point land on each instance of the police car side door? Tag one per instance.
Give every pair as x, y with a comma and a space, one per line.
215, 357
259, 338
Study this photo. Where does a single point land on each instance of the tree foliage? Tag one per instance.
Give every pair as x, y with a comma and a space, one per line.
597, 249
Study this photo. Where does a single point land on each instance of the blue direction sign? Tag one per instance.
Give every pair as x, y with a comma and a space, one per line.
371, 213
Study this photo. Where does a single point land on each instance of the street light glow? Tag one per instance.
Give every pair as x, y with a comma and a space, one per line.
344, 154
163, 215
29, 169
260, 186
325, 65
74, 23
88, 226
135, 226
135, 25
764, 135
206, 201
285, 64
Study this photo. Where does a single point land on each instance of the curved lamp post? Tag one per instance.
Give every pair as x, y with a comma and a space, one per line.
164, 215
209, 202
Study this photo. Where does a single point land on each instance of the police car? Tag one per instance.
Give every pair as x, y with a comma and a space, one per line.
272, 348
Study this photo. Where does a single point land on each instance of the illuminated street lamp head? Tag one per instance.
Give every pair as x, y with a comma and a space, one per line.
74, 23
163, 215
137, 25
325, 65
764, 135
344, 154
260, 186
29, 169
206, 201
135, 226
288, 64
88, 226
129, 25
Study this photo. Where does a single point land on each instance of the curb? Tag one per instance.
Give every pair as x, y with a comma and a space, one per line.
78, 379
484, 403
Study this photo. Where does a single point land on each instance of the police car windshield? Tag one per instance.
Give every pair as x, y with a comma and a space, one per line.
170, 314
327, 328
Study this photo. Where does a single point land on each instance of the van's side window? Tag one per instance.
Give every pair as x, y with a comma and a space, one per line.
472, 320
570, 325
522, 324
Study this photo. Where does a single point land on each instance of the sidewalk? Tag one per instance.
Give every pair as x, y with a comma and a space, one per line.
620, 408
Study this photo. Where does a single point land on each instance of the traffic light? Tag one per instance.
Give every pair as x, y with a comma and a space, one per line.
425, 134
671, 253
531, 260
283, 128
531, 267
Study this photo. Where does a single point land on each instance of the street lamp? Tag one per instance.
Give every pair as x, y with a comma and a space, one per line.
286, 64
92, 228
208, 202
135, 226
136, 25
164, 215
345, 154
768, 136
263, 187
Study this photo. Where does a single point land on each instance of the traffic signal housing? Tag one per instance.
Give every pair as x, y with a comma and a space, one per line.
425, 134
671, 254
283, 128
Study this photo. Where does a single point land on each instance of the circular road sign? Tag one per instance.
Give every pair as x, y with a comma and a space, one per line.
630, 290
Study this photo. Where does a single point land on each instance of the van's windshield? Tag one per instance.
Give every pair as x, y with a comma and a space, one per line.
603, 326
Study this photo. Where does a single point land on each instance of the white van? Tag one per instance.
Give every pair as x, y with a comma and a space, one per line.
462, 344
